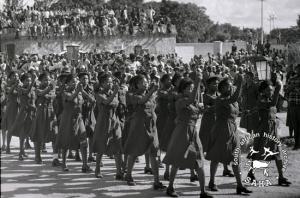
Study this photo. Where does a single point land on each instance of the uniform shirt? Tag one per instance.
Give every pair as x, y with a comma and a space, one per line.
293, 90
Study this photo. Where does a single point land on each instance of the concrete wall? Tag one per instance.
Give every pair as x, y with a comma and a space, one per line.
156, 44
204, 48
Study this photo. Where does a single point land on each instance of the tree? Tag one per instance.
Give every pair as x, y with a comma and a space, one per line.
298, 21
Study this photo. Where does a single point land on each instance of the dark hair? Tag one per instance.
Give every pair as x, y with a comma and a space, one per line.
43, 75
164, 78
81, 74
212, 79
263, 85
103, 78
184, 83
25, 76
138, 79
223, 83
175, 78
100, 74
69, 78
11, 73
250, 74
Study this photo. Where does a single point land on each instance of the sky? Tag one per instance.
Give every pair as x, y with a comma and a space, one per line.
246, 13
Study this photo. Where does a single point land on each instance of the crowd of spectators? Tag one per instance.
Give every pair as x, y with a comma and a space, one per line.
77, 21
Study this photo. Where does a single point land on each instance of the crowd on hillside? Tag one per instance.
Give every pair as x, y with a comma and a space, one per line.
127, 106
77, 21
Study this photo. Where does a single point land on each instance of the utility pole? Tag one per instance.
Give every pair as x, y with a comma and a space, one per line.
262, 21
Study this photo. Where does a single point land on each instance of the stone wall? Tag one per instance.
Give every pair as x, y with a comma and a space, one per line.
157, 44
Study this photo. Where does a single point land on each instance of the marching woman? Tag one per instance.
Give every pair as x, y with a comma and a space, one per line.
173, 96
129, 112
107, 136
88, 110
185, 149
12, 106
71, 131
209, 117
45, 123
267, 148
142, 137
162, 105
24, 120
224, 143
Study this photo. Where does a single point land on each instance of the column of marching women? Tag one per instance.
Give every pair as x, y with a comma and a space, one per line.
142, 115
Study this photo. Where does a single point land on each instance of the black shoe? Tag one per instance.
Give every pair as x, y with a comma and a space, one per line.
56, 163
240, 190
283, 182
171, 192
227, 173
158, 186
137, 160
21, 157
91, 159
205, 195
98, 174
64, 167
86, 169
148, 171
129, 180
194, 178
101, 164
213, 187
119, 176
166, 176
251, 176
111, 157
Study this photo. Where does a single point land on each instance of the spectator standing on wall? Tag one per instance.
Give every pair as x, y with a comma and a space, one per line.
233, 48
151, 13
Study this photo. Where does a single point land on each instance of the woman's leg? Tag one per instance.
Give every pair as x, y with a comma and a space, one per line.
167, 172
3, 133
98, 162
22, 151
193, 176
147, 168
213, 171
37, 151
118, 161
83, 149
128, 177
201, 176
8, 143
64, 155
237, 173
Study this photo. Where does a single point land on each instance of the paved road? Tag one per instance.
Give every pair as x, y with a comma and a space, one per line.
27, 179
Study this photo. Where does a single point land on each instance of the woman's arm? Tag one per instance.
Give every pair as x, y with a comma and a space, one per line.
88, 96
145, 98
237, 93
43, 92
102, 99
